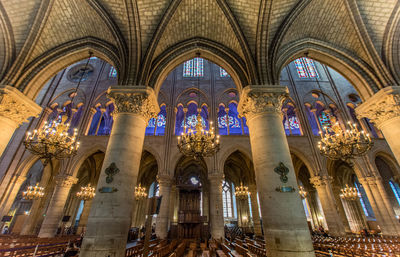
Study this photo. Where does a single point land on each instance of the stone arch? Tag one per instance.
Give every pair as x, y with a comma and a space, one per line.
40, 70
153, 151
187, 50
148, 173
310, 165
390, 160
226, 152
7, 42
77, 162
391, 44
353, 68
238, 159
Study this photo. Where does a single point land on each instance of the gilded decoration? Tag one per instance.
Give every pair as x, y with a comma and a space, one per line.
135, 100
319, 181
16, 106
381, 107
66, 180
257, 100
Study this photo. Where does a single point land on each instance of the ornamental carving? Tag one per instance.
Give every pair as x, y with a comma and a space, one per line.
16, 106
141, 101
383, 106
258, 100
319, 181
66, 181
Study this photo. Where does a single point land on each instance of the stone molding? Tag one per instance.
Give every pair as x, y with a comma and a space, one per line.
319, 181
15, 106
370, 180
255, 100
164, 180
66, 180
137, 100
381, 107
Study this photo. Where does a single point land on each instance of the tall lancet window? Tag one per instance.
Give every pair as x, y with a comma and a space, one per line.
156, 126
193, 68
227, 199
305, 68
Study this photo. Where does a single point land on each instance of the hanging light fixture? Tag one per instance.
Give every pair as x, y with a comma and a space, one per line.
54, 140
33, 192
339, 144
199, 142
242, 192
140, 192
86, 193
343, 144
303, 193
349, 193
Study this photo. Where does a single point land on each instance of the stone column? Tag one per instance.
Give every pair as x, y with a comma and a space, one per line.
84, 217
254, 210
285, 226
12, 191
110, 216
329, 206
164, 182
383, 217
383, 109
15, 108
216, 207
56, 207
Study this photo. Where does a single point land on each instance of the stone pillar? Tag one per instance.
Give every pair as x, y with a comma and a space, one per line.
15, 108
383, 109
216, 207
84, 217
329, 206
110, 216
285, 226
254, 210
56, 207
164, 182
12, 191
385, 218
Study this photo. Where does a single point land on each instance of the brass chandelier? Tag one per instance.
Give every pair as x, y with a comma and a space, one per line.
140, 192
199, 142
339, 144
303, 193
349, 193
86, 193
54, 140
33, 192
242, 192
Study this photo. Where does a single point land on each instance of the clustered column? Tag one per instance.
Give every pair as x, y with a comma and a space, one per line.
55, 210
324, 189
384, 216
284, 221
111, 212
165, 183
15, 108
254, 210
216, 207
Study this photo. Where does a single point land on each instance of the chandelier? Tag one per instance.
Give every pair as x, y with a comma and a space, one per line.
303, 193
140, 192
55, 140
86, 193
339, 144
242, 192
52, 141
349, 193
33, 192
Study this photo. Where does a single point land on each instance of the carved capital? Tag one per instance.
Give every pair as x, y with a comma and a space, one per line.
382, 107
255, 100
137, 100
215, 178
320, 181
66, 180
370, 180
164, 180
15, 106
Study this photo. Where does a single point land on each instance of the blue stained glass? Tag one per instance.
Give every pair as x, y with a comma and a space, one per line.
325, 119
305, 68
396, 191
112, 73
293, 122
191, 121
362, 201
161, 121
193, 68
301, 71
312, 71
223, 73
235, 127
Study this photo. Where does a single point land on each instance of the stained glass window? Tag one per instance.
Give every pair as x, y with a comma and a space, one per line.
235, 127
396, 190
112, 73
226, 200
193, 68
223, 73
325, 119
362, 201
222, 128
306, 68
156, 126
